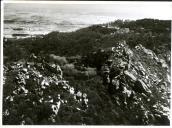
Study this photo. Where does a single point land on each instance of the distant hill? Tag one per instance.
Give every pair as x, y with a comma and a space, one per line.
153, 34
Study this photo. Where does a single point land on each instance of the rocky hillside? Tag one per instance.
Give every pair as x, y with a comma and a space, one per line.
101, 75
38, 94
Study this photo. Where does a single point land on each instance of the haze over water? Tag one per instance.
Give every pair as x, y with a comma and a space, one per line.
36, 19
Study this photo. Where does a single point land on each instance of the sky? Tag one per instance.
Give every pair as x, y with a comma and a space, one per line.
128, 10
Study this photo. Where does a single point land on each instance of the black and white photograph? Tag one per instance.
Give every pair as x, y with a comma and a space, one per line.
86, 63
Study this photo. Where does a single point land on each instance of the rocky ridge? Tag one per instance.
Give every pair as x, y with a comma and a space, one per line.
39, 95
145, 84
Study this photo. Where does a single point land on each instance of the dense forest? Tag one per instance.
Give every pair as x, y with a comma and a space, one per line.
58, 78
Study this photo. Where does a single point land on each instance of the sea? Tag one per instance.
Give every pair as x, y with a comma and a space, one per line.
21, 20
31, 19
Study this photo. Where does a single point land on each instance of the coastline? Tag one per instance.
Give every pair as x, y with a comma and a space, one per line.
27, 35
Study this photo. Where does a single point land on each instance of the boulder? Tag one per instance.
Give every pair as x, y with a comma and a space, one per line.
141, 87
130, 75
